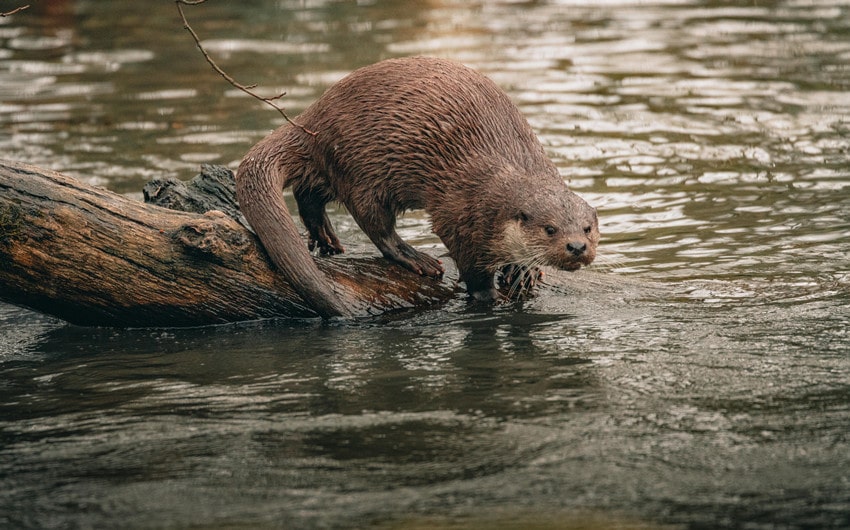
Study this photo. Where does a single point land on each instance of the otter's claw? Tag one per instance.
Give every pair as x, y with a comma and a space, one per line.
423, 264
327, 247
518, 279
412, 259
322, 236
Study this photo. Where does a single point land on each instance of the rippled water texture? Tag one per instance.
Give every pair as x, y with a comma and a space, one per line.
697, 376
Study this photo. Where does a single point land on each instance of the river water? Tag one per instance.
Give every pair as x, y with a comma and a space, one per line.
698, 375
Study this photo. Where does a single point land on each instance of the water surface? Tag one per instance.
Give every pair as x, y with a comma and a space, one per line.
697, 376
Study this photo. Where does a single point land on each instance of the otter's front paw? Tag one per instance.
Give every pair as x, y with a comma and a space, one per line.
519, 280
394, 248
422, 263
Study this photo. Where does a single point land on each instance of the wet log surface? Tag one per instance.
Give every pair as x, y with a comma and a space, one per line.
93, 257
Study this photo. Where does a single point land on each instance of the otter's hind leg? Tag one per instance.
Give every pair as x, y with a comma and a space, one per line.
379, 225
311, 208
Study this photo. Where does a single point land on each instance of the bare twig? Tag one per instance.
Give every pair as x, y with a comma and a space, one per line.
12, 12
248, 89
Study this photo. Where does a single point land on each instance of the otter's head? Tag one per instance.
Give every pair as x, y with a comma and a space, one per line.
553, 227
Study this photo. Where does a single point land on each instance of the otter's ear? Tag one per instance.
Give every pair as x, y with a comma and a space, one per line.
522, 216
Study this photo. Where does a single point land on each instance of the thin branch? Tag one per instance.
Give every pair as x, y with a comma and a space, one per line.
244, 88
16, 10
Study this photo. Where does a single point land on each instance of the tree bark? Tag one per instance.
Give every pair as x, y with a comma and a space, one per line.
93, 257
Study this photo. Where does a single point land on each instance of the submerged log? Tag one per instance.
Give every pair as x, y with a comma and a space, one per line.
93, 257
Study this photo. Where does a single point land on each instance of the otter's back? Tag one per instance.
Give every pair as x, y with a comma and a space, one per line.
400, 123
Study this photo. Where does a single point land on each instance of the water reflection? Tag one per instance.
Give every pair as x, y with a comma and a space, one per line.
698, 377
609, 408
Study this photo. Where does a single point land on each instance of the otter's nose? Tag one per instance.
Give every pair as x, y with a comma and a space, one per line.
577, 248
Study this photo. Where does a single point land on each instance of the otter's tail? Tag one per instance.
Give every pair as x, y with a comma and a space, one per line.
259, 190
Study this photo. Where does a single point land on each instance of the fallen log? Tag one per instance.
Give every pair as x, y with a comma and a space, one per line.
93, 257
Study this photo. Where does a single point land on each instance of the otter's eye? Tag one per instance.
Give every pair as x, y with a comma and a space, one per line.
587, 230
551, 230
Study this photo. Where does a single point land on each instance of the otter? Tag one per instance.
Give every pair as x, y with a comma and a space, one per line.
416, 133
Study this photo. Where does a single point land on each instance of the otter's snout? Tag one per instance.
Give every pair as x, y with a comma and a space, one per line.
576, 248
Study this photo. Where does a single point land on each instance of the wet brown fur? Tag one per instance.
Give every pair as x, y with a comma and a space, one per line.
414, 133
